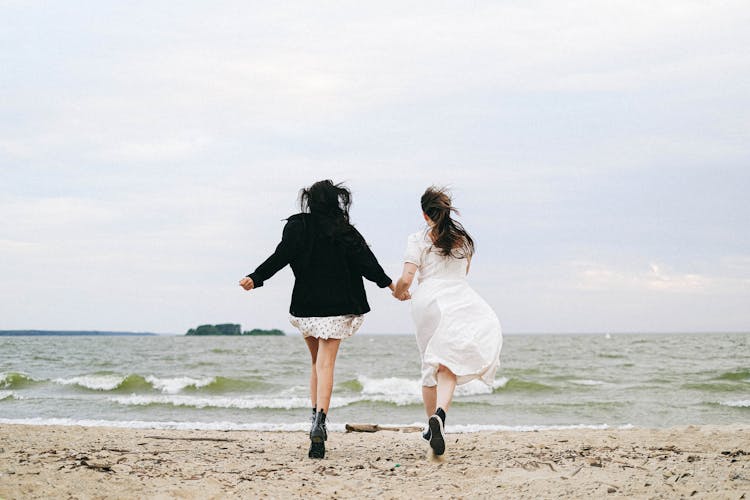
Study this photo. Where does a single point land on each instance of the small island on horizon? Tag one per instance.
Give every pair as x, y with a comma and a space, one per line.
231, 329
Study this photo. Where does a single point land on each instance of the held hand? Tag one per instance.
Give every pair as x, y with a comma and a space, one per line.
404, 296
247, 283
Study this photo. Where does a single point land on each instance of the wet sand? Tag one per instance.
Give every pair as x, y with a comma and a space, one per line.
103, 462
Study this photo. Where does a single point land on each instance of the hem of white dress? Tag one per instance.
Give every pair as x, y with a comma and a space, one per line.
465, 378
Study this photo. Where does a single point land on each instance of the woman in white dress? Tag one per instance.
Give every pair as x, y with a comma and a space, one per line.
329, 258
458, 333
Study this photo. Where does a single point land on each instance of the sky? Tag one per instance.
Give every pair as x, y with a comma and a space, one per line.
598, 151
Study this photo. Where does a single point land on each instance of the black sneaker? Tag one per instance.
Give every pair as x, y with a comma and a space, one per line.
427, 434
318, 437
437, 434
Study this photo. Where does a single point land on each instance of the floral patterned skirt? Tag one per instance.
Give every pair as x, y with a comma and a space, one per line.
328, 327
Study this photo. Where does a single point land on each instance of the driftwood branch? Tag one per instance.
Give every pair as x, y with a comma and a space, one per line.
376, 428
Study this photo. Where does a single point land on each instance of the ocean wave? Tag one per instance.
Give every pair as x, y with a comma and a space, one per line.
134, 383
477, 387
107, 382
715, 387
286, 427
227, 384
587, 382
217, 350
7, 395
399, 391
177, 384
352, 385
737, 404
404, 391
736, 375
15, 380
281, 403
520, 385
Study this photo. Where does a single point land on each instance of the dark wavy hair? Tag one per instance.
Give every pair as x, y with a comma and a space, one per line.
448, 235
329, 204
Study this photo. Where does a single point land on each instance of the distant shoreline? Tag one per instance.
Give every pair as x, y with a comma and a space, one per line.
71, 333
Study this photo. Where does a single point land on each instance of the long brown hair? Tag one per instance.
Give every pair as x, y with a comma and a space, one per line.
448, 235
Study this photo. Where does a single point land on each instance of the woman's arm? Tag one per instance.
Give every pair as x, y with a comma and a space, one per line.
285, 251
367, 264
371, 269
404, 282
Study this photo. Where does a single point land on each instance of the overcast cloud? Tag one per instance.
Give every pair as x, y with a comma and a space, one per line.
598, 152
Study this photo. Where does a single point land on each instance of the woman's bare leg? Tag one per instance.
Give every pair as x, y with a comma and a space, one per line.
326, 360
446, 385
312, 345
429, 396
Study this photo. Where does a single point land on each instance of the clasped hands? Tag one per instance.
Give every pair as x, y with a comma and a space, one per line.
405, 295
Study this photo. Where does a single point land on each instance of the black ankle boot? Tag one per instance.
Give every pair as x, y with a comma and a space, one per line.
318, 436
319, 426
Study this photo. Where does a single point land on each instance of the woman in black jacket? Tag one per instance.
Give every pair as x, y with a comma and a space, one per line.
329, 258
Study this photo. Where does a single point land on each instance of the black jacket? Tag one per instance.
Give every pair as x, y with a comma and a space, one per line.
328, 274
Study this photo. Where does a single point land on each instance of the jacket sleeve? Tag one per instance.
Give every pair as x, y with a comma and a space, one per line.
369, 266
286, 250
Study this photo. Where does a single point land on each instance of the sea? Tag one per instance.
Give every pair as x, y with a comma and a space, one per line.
261, 383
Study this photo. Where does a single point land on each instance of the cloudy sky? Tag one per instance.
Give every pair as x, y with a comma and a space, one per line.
599, 152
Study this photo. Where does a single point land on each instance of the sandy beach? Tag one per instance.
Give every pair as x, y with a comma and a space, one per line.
103, 462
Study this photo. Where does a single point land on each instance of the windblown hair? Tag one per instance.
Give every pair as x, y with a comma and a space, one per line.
329, 204
448, 235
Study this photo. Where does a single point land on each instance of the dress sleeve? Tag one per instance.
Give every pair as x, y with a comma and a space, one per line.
413, 250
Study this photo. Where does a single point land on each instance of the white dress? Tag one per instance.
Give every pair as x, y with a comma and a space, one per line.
455, 327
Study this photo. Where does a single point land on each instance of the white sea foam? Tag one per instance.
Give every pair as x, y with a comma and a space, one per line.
288, 427
285, 403
500, 383
7, 395
737, 404
476, 387
587, 382
177, 384
404, 391
111, 382
95, 382
401, 391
